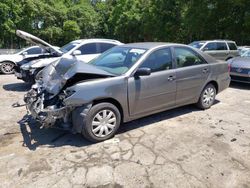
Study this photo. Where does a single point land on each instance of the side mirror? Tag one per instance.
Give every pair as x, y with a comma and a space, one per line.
76, 52
25, 53
142, 72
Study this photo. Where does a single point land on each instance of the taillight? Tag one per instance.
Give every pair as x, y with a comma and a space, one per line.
229, 67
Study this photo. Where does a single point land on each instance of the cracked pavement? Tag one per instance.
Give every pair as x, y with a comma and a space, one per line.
184, 147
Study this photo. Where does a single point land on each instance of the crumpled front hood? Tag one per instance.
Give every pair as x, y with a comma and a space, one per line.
56, 74
37, 41
241, 62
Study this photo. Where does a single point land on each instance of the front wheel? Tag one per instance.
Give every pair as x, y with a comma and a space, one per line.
100, 123
7, 67
207, 97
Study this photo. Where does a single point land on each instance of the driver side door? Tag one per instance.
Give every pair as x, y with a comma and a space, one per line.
156, 91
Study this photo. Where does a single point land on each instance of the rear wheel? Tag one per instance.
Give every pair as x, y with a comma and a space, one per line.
100, 123
7, 67
207, 97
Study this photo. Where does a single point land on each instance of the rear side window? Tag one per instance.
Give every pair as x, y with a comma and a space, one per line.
232, 46
35, 50
186, 57
102, 47
90, 48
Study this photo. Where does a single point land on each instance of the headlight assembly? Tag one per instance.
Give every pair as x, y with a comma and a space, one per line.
25, 67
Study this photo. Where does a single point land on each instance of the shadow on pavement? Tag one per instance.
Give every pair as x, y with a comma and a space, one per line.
34, 137
239, 85
17, 87
169, 114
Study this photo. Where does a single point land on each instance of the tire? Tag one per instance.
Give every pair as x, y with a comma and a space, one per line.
95, 127
207, 97
7, 67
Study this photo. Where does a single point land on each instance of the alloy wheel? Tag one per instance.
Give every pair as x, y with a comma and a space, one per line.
103, 123
7, 67
208, 96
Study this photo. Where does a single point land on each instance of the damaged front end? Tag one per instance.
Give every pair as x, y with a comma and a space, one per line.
46, 100
48, 110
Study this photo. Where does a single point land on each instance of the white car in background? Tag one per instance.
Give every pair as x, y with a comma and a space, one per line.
8, 61
82, 50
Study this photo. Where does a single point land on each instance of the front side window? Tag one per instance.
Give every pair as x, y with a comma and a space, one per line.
104, 47
210, 46
232, 46
33, 51
68, 47
197, 45
159, 60
186, 57
118, 60
90, 48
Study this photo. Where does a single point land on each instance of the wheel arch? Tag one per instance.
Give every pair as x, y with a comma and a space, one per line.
215, 84
9, 61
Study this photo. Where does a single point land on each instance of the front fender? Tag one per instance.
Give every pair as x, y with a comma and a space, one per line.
89, 91
108, 88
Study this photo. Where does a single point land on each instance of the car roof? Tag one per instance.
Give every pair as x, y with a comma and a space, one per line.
149, 45
216, 40
96, 40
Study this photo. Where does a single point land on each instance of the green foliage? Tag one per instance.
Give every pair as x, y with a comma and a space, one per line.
60, 21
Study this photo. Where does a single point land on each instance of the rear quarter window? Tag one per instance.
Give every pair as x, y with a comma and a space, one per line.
232, 46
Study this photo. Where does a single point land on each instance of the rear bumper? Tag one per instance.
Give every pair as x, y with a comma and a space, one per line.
240, 78
224, 84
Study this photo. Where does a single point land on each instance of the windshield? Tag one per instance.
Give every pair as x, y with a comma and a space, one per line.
246, 54
197, 45
118, 60
68, 47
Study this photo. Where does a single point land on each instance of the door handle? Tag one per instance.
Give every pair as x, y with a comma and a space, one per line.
205, 71
171, 78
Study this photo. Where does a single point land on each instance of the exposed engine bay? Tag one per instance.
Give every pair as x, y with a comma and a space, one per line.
45, 101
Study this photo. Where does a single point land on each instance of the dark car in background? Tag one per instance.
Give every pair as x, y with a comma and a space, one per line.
219, 49
125, 83
240, 68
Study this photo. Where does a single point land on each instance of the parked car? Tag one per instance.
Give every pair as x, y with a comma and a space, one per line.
240, 68
219, 49
243, 49
84, 50
246, 53
8, 61
125, 83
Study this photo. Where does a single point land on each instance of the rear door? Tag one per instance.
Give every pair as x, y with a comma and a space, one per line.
191, 74
156, 91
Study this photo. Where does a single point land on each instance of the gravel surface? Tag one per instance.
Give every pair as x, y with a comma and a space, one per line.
184, 147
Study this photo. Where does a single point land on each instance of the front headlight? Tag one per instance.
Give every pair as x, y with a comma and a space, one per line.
25, 67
